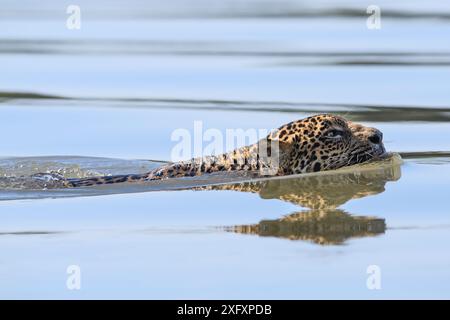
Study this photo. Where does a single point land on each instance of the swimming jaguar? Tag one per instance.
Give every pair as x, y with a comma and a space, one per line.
317, 143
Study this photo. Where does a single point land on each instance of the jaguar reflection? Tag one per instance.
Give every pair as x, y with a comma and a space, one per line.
323, 222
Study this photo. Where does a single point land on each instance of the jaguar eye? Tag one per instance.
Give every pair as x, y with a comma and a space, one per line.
335, 133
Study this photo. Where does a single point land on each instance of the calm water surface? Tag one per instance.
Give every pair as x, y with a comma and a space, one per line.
106, 98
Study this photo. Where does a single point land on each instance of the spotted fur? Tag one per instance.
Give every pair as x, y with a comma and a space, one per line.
318, 143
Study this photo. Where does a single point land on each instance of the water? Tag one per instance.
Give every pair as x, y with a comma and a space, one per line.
105, 100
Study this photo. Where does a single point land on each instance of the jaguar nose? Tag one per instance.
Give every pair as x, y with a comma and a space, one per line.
376, 137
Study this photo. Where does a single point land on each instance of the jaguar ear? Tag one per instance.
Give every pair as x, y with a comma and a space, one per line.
273, 141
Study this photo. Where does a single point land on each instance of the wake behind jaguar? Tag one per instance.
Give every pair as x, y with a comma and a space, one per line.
317, 143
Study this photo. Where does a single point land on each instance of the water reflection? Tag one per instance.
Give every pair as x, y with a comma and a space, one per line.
325, 227
354, 112
323, 223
